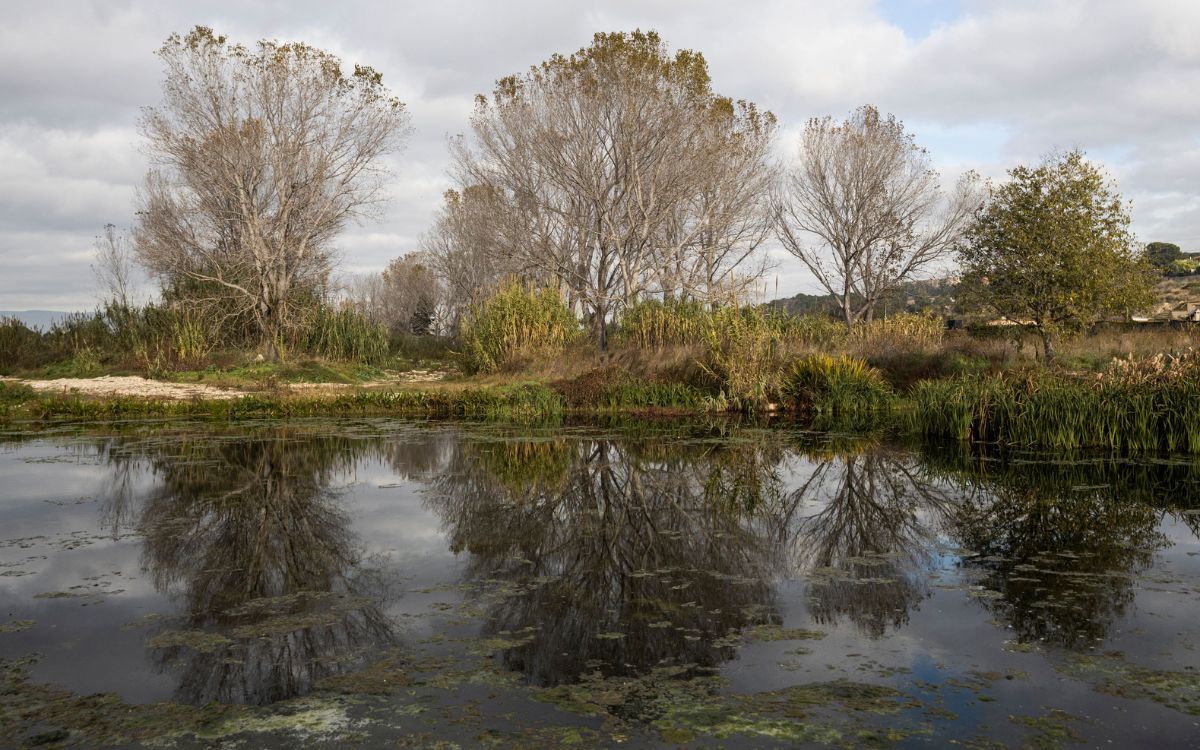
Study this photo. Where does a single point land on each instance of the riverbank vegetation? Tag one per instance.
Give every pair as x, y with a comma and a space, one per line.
602, 249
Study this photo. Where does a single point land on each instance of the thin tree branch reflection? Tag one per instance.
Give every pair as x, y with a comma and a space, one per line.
612, 556
869, 547
248, 533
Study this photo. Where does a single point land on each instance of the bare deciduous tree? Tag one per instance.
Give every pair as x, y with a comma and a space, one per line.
709, 247
862, 208
115, 267
465, 250
263, 155
407, 296
607, 166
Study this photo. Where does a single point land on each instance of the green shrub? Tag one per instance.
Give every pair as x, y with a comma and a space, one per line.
515, 326
344, 334
745, 353
19, 345
656, 324
823, 384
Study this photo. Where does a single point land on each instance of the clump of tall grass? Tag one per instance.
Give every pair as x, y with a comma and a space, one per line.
901, 332
657, 324
745, 350
814, 331
1062, 412
841, 385
642, 394
344, 334
517, 324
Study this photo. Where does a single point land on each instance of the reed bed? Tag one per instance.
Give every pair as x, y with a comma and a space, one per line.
641, 394
345, 334
516, 326
1061, 413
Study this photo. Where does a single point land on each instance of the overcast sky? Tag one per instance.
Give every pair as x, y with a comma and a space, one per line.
983, 84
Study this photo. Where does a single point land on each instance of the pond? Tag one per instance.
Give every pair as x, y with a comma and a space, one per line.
654, 585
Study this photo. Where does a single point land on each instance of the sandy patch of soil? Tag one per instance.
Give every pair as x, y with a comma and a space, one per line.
133, 385
130, 385
411, 376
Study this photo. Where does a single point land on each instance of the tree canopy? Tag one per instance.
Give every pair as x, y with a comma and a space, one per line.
617, 172
1052, 246
262, 155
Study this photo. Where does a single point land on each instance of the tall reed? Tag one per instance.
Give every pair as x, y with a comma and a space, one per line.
1060, 412
515, 325
344, 334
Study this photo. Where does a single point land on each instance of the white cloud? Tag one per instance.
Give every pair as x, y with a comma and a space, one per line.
999, 83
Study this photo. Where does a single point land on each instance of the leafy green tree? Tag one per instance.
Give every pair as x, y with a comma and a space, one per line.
1052, 246
1163, 254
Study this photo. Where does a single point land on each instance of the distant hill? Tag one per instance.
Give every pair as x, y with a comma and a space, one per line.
1176, 297
934, 295
34, 318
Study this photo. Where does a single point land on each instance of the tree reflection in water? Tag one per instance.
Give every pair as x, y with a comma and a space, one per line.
616, 556
247, 532
869, 544
1060, 542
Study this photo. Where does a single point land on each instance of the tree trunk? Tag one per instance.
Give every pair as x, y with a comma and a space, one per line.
268, 328
601, 330
1047, 348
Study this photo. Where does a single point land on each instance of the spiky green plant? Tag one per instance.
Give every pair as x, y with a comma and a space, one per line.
516, 325
824, 384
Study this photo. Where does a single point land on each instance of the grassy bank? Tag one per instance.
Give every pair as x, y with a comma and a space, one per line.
20, 403
1042, 410
1120, 389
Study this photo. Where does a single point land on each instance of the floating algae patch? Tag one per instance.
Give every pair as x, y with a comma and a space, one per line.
202, 641
686, 723
47, 716
380, 678
776, 633
309, 719
685, 707
794, 701
1112, 675
1051, 730
637, 699
15, 626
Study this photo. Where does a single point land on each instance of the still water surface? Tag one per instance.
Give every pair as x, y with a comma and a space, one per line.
379, 582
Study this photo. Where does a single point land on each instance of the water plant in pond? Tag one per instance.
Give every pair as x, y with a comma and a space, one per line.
839, 386
1061, 413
